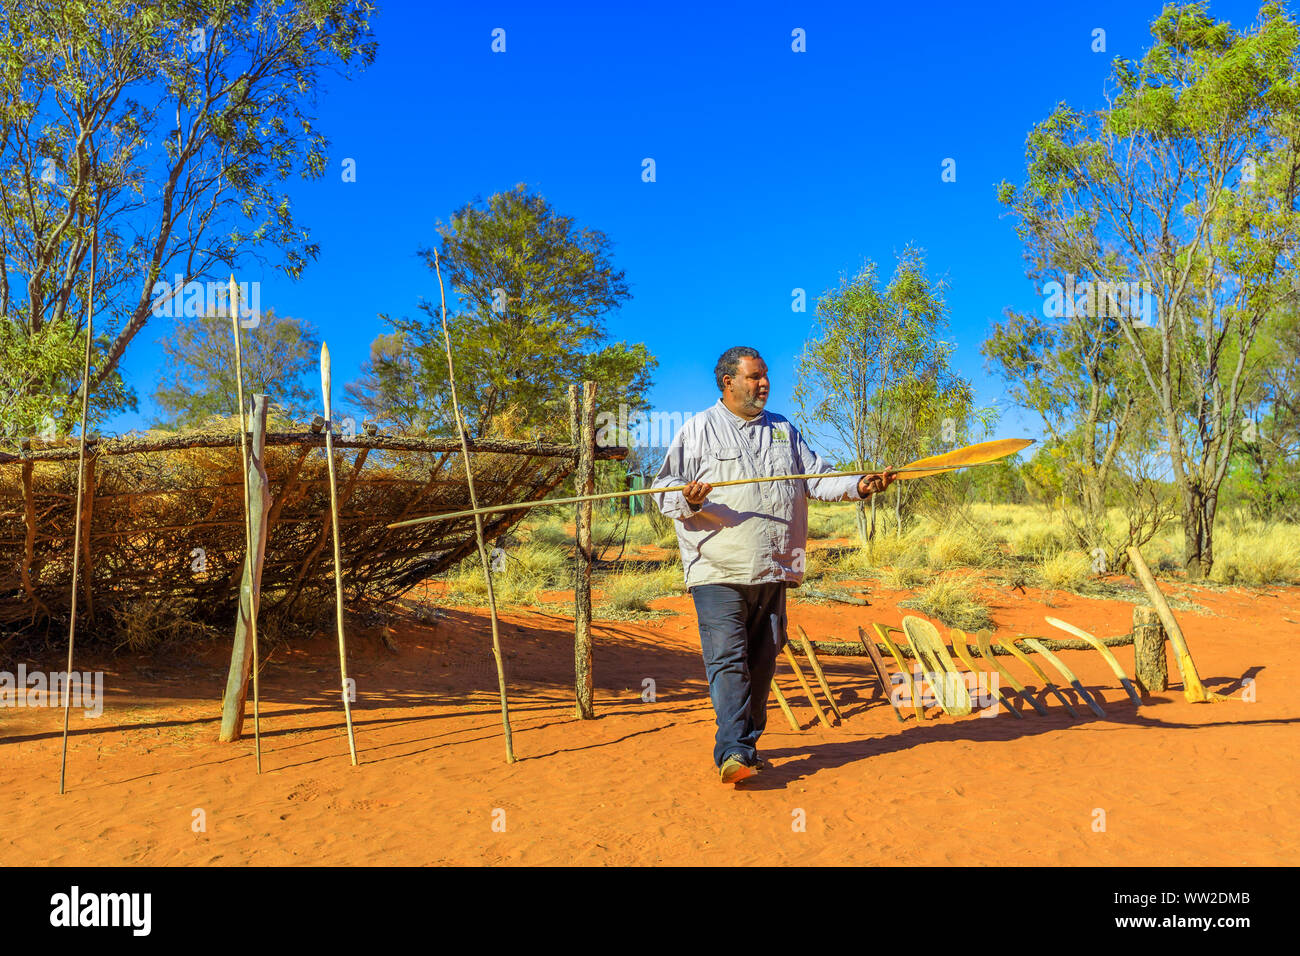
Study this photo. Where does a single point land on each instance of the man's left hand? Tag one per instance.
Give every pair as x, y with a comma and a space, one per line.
876, 482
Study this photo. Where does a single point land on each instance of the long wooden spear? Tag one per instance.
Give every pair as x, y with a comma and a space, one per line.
478, 519
325, 384
984, 453
248, 515
81, 481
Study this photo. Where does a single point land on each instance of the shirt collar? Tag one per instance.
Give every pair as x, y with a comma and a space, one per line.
742, 422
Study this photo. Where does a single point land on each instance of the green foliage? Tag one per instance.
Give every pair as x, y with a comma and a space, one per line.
533, 288
875, 378
40, 381
1187, 181
159, 134
197, 379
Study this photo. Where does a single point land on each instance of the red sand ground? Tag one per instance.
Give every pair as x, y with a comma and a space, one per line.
1180, 784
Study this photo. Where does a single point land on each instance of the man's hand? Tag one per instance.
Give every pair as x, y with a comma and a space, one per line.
696, 492
876, 482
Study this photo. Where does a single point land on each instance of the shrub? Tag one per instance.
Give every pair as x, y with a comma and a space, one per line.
952, 601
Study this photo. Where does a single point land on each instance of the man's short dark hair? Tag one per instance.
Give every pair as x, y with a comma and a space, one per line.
729, 362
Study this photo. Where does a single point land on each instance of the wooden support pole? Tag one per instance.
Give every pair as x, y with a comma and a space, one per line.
250, 589
586, 485
29, 544
1193, 690
86, 517
326, 384
1150, 666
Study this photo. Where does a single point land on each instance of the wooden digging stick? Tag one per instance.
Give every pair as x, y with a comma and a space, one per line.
81, 481
882, 675
1193, 689
248, 516
785, 705
803, 682
478, 519
338, 565
817, 670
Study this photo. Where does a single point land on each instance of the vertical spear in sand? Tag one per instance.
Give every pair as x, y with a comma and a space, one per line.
76, 515
478, 519
338, 570
248, 514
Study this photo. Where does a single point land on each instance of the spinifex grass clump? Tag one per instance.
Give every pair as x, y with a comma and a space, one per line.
951, 599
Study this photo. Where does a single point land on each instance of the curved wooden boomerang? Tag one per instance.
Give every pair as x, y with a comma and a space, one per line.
1025, 659
984, 640
1104, 651
963, 651
981, 453
1066, 673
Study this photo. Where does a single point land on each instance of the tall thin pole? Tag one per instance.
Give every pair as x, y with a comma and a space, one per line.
325, 384
81, 481
248, 514
478, 520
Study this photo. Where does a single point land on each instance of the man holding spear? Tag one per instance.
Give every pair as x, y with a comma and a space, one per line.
741, 548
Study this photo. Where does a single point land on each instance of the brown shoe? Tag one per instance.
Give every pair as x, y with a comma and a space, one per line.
734, 769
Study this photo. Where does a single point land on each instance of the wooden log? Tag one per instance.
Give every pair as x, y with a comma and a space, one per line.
250, 591
1193, 690
1150, 666
131, 446
586, 485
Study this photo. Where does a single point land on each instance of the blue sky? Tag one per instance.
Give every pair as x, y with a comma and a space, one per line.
775, 170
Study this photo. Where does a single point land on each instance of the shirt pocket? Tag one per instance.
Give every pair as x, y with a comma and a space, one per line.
725, 464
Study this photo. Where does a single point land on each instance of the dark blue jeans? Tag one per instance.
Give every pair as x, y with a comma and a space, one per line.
742, 629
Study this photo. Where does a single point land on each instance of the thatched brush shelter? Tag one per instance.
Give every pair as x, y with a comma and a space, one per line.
163, 520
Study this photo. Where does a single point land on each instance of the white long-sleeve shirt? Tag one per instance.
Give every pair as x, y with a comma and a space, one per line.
744, 534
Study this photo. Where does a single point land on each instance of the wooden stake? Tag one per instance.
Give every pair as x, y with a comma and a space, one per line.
785, 706
1193, 689
798, 672
81, 481
338, 561
478, 520
811, 653
248, 507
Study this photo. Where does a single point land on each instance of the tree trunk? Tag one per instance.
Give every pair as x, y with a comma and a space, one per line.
1198, 532
1149, 663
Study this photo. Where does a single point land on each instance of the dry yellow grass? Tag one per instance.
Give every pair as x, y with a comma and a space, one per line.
951, 600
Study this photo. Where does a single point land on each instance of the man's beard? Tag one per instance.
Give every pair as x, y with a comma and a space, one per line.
755, 402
